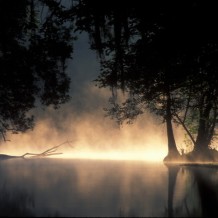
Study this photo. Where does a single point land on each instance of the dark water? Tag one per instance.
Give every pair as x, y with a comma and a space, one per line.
57, 187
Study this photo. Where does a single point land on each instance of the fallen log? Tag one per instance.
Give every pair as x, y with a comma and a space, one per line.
48, 152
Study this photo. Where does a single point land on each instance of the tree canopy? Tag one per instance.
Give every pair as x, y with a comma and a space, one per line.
35, 43
164, 55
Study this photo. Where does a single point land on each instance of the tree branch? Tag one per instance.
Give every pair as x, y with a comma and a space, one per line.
184, 126
48, 152
187, 107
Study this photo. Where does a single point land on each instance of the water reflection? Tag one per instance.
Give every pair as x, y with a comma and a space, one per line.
52, 187
192, 191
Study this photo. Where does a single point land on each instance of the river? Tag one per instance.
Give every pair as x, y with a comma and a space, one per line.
78, 187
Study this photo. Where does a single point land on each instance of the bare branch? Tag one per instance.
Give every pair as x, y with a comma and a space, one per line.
184, 126
48, 152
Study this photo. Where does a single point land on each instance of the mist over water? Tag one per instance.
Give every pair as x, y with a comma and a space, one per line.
92, 133
82, 121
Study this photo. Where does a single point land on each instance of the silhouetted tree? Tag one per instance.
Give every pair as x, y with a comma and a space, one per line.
200, 90
35, 43
127, 36
154, 51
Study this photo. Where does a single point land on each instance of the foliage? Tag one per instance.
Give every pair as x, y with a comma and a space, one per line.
165, 61
35, 43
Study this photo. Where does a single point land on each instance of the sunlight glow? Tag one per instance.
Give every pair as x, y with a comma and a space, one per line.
116, 155
92, 136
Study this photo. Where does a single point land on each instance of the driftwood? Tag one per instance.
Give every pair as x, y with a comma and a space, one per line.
48, 152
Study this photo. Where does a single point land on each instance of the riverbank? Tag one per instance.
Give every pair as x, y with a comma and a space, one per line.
206, 158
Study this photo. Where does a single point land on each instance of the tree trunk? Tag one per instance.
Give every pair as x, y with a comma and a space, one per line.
204, 130
172, 149
201, 137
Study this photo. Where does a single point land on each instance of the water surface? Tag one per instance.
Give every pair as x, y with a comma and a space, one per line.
66, 187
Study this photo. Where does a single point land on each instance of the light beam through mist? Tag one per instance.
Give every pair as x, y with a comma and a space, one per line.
83, 122
93, 135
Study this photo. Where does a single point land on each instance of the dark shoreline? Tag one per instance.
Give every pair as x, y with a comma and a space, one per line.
192, 164
167, 163
5, 156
